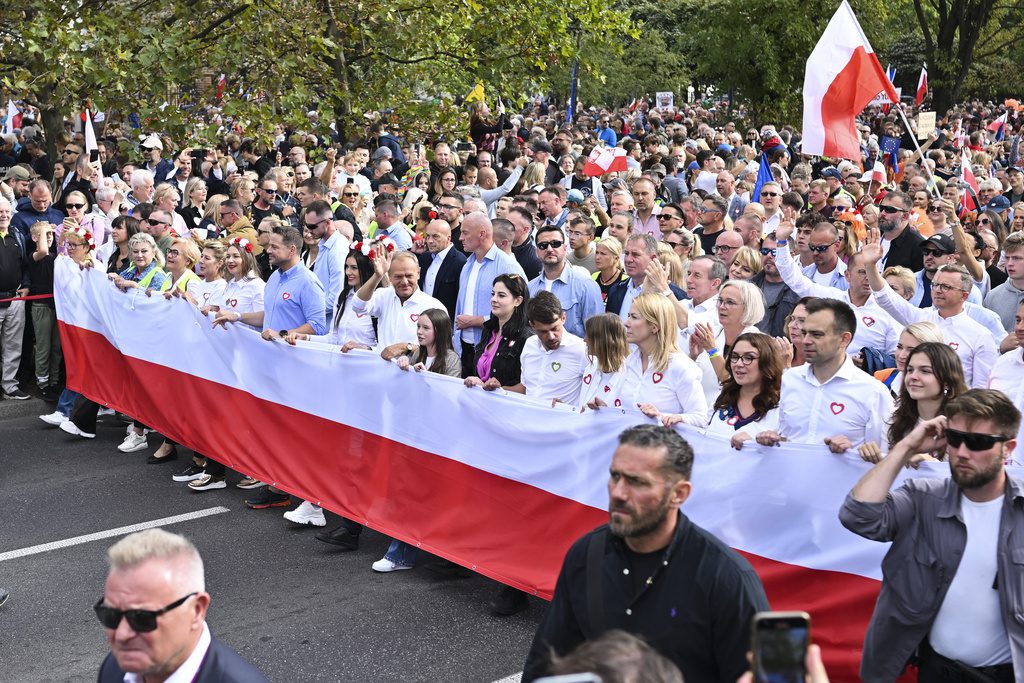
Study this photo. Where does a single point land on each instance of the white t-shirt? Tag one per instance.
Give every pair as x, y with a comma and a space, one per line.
969, 626
206, 293
675, 391
604, 385
554, 374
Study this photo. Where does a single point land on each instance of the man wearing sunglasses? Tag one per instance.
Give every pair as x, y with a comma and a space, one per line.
901, 244
153, 610
951, 588
826, 268
579, 294
265, 203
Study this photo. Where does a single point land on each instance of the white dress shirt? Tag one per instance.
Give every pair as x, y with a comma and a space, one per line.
242, 296
969, 338
1008, 377
599, 384
632, 292
556, 374
676, 390
353, 326
723, 423
205, 293
396, 320
189, 669
435, 265
851, 403
876, 329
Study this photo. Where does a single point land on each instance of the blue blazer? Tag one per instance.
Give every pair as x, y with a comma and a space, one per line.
220, 665
617, 294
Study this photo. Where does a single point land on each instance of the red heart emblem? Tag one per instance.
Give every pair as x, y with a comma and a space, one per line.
607, 388
587, 379
286, 296
360, 315
618, 403
954, 345
868, 320
233, 303
732, 420
414, 317
837, 408
657, 377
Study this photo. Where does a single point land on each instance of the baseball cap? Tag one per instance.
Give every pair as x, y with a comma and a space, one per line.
1015, 169
831, 172
153, 142
18, 173
539, 145
943, 243
998, 203
574, 197
659, 169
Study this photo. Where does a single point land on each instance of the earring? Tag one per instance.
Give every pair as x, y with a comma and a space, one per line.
945, 391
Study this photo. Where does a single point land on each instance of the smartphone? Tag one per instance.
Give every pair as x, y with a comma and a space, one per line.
463, 146
199, 153
779, 643
94, 155
349, 180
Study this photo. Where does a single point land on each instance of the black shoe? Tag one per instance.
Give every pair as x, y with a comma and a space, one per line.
509, 601
17, 395
266, 498
339, 536
153, 460
51, 394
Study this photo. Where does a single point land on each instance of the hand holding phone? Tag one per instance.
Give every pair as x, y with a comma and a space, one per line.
780, 641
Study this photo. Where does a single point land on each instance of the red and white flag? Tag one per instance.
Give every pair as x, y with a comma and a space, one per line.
90, 141
922, 85
605, 160
843, 76
969, 181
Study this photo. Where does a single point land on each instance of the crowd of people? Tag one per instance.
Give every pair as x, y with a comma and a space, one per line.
827, 305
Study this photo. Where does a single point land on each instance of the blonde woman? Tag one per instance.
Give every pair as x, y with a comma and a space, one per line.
745, 265
165, 198
209, 226
608, 259
193, 205
672, 264
532, 178
181, 260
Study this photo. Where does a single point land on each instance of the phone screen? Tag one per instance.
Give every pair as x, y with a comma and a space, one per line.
780, 645
94, 155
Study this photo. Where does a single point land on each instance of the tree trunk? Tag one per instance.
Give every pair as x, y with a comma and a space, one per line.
53, 125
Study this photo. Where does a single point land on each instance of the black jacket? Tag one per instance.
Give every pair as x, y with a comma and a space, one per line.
695, 609
905, 251
220, 665
774, 321
446, 285
617, 294
505, 367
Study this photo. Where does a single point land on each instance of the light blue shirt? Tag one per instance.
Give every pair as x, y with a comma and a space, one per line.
632, 292
495, 263
329, 268
400, 234
580, 297
293, 298
838, 280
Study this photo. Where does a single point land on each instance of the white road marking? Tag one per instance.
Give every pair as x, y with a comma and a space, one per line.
120, 531
514, 678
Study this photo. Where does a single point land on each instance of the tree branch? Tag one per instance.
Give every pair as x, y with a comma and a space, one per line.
234, 12
991, 52
929, 46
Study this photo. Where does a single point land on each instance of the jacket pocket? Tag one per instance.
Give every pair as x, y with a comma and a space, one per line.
913, 583
1014, 584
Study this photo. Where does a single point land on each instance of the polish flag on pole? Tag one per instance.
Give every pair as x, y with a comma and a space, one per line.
922, 86
843, 76
605, 160
998, 127
13, 119
90, 141
969, 181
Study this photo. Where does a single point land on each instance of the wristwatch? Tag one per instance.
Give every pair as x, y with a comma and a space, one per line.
409, 347
283, 333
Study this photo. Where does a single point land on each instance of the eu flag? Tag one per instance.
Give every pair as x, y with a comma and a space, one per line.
891, 147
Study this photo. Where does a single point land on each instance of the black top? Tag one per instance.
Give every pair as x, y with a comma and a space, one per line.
41, 273
526, 255
10, 263
696, 610
505, 366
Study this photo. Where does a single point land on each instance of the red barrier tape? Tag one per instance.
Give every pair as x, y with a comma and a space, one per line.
32, 297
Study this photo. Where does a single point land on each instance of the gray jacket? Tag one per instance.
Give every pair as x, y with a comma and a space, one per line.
922, 519
1005, 300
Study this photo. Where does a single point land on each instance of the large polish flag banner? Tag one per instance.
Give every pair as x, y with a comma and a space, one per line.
843, 75
497, 483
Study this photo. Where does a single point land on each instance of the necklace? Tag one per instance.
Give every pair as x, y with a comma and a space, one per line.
615, 277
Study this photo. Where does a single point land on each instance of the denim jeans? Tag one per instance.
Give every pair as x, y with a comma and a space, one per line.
402, 553
66, 402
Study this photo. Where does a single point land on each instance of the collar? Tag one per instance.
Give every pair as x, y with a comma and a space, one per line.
846, 371
285, 274
491, 255
950, 505
330, 241
564, 275
442, 254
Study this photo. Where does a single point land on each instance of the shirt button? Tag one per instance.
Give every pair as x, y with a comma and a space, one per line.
629, 612
625, 571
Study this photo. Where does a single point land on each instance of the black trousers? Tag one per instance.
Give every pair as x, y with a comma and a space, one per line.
934, 668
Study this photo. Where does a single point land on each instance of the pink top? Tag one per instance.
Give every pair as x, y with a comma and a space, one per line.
483, 366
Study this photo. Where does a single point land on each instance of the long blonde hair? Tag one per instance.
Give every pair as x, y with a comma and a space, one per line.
659, 313
606, 341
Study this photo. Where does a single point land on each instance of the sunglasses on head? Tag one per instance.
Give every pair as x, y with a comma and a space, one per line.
141, 620
973, 441
553, 244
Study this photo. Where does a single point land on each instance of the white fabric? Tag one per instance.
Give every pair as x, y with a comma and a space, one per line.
604, 385
556, 374
205, 293
675, 391
396, 320
353, 326
721, 425
969, 626
1008, 377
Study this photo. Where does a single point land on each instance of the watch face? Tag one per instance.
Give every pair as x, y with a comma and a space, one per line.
284, 333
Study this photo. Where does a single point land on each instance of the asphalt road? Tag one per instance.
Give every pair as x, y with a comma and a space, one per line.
293, 606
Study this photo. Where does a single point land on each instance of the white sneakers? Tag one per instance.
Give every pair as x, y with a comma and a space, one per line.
133, 442
307, 514
384, 565
70, 427
131, 428
54, 418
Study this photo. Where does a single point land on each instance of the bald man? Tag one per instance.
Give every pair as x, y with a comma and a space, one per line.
441, 265
726, 246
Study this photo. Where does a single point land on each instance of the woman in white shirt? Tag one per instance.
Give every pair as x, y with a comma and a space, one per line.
607, 350
243, 292
210, 288
740, 306
661, 380
348, 325
749, 401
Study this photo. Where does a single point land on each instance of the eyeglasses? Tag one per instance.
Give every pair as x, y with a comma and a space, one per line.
674, 245
765, 251
577, 233
744, 359
944, 288
727, 303
885, 208
448, 207
722, 248
75, 206
173, 252
314, 226
821, 248
705, 209
553, 244
270, 192
973, 440
141, 620
771, 194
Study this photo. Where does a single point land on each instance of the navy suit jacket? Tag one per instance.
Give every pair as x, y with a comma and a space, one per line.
220, 665
617, 294
446, 285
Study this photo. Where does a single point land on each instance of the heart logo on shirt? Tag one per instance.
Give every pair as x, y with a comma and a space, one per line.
954, 345
414, 317
732, 420
587, 379
837, 408
657, 377
233, 303
286, 296
868, 320
360, 315
556, 366
618, 403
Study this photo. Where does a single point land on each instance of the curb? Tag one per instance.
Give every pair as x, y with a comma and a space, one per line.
10, 409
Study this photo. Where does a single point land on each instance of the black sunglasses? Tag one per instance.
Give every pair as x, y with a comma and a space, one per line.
554, 244
820, 248
141, 620
765, 251
889, 209
973, 441
75, 206
932, 252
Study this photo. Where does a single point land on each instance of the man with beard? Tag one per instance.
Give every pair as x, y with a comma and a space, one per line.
901, 244
951, 582
653, 566
779, 299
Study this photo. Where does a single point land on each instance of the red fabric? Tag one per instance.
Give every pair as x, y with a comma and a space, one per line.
922, 87
857, 84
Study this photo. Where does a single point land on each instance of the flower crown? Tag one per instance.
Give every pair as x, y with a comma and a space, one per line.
83, 234
241, 243
367, 247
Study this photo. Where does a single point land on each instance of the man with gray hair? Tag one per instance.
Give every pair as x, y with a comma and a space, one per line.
153, 610
142, 187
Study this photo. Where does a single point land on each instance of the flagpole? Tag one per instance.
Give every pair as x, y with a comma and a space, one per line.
913, 136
